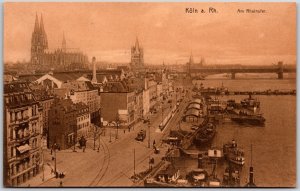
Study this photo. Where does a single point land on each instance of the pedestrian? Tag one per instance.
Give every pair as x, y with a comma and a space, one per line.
124, 131
153, 142
60, 184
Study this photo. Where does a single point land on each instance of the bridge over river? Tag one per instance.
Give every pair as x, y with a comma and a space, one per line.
278, 69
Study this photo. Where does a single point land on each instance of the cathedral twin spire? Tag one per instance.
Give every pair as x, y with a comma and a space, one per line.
39, 37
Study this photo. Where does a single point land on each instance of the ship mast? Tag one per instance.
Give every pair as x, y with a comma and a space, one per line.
251, 173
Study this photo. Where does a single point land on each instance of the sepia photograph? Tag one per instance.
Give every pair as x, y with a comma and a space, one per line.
147, 95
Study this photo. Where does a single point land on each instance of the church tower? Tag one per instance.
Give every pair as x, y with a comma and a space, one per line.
191, 62
137, 56
39, 42
35, 45
43, 35
64, 44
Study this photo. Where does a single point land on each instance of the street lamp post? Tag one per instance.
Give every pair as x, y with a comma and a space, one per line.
74, 138
162, 113
99, 141
54, 147
134, 161
117, 120
94, 137
149, 133
43, 165
110, 135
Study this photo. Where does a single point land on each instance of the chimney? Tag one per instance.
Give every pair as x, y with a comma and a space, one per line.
200, 165
94, 79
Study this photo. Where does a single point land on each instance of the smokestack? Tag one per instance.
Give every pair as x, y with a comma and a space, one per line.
200, 165
94, 79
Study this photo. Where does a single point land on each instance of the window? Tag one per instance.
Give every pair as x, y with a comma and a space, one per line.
11, 133
11, 151
12, 116
34, 110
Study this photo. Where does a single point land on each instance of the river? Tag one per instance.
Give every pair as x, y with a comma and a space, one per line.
274, 145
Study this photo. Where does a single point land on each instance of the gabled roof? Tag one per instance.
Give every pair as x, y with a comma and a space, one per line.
16, 87
30, 77
197, 100
64, 77
194, 106
193, 112
79, 85
115, 87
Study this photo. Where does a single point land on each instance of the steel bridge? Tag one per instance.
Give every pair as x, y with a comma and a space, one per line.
278, 69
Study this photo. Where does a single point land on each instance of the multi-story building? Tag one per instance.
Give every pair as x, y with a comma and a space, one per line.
68, 122
146, 101
159, 92
83, 120
22, 134
118, 104
62, 123
45, 98
61, 59
152, 86
138, 109
85, 92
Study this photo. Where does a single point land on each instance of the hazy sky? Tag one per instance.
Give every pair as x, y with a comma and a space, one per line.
166, 32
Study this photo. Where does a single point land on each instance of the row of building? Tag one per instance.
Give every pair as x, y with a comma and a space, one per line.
61, 107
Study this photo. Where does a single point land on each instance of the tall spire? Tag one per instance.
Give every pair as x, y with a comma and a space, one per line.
137, 47
191, 58
36, 24
43, 36
64, 44
42, 25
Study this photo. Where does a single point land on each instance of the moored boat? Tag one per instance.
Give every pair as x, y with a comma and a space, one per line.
206, 134
198, 177
234, 154
231, 177
253, 119
252, 104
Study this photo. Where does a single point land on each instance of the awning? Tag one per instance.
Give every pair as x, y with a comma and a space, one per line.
23, 148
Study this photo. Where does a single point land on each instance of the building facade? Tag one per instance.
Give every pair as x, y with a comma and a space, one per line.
84, 91
22, 134
118, 107
62, 123
83, 120
152, 85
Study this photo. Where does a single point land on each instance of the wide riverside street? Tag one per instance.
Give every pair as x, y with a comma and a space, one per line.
114, 163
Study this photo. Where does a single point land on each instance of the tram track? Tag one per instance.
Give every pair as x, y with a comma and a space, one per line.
104, 167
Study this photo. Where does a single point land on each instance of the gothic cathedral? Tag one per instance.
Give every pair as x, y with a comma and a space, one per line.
63, 59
